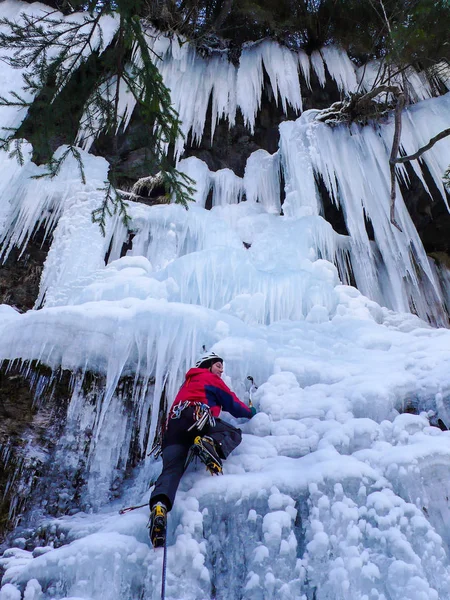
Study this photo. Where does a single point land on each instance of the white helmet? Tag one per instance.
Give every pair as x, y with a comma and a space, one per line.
207, 360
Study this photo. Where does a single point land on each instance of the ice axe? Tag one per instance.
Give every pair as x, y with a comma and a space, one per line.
251, 391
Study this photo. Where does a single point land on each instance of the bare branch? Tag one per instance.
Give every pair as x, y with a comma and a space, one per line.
423, 149
394, 153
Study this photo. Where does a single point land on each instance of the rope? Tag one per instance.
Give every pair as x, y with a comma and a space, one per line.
164, 568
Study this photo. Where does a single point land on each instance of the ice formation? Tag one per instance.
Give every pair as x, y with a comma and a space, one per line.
337, 491
195, 80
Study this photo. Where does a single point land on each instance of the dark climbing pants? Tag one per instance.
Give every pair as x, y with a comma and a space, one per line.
176, 444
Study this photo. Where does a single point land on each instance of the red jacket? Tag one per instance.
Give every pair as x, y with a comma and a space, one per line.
203, 386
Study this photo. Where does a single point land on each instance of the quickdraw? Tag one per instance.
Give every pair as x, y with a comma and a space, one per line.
202, 415
156, 449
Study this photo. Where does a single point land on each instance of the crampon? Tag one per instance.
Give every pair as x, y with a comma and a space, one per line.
157, 525
205, 449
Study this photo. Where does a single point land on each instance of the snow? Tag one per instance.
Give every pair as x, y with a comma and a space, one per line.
337, 490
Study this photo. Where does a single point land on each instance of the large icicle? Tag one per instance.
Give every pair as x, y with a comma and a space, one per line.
340, 67
416, 83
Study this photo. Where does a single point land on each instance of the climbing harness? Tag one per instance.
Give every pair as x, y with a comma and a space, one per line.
202, 414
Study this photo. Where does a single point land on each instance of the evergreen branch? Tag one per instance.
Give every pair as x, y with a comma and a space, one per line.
55, 164
17, 152
31, 40
19, 101
120, 69
79, 55
113, 203
5, 142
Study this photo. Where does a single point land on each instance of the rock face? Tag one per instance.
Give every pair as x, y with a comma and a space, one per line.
429, 214
21, 273
32, 414
24, 422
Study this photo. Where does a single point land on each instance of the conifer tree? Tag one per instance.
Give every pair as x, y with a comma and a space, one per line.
52, 50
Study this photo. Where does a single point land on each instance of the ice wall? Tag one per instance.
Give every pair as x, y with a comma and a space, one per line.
392, 268
330, 477
353, 164
340, 487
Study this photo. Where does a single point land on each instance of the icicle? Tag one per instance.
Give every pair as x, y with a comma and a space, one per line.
216, 79
301, 192
281, 66
368, 75
36, 202
227, 187
12, 175
197, 170
340, 67
190, 76
305, 66
262, 180
249, 84
90, 123
318, 66
358, 186
418, 85
421, 122
224, 98
78, 250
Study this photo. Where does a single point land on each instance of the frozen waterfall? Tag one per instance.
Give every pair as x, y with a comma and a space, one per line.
341, 486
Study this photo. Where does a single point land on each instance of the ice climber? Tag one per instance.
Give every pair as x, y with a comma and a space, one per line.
193, 426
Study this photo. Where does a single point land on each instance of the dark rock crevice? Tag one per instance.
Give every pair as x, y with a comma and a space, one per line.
33, 404
21, 272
